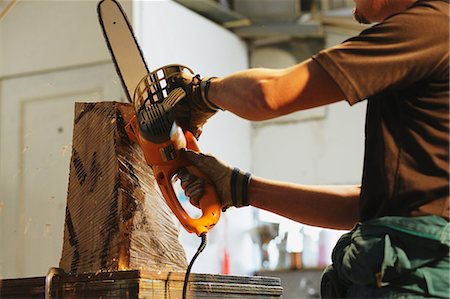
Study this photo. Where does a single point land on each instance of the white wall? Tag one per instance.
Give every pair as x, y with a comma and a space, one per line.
327, 150
44, 35
169, 33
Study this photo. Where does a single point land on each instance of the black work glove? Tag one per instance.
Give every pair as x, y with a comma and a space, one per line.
195, 109
231, 184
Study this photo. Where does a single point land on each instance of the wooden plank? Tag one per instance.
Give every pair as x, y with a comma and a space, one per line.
116, 218
152, 285
32, 287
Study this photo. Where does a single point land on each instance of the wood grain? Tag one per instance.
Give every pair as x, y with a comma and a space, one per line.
116, 218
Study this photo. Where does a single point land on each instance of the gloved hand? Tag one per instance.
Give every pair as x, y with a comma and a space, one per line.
231, 184
195, 109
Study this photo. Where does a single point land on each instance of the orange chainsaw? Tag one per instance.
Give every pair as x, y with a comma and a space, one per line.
154, 127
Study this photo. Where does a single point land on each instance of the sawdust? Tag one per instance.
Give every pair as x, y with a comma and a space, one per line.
27, 226
47, 228
64, 150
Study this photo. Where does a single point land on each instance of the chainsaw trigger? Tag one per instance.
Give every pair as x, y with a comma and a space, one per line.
174, 97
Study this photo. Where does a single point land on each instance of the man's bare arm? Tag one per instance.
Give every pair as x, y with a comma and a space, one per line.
333, 207
259, 94
326, 206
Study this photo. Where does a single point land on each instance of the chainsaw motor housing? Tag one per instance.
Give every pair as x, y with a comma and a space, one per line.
156, 124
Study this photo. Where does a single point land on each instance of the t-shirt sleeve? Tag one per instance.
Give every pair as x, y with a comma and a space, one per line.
405, 48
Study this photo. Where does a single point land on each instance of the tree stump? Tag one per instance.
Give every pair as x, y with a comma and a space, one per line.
116, 218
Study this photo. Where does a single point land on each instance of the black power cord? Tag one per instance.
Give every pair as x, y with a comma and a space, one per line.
188, 271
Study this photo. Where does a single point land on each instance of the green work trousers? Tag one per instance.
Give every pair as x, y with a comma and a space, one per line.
391, 257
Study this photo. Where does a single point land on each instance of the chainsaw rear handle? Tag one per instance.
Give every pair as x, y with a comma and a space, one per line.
209, 202
164, 171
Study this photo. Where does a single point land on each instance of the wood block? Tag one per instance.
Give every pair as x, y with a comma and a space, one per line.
116, 218
141, 284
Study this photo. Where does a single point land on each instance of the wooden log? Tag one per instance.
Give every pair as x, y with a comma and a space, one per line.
141, 284
116, 218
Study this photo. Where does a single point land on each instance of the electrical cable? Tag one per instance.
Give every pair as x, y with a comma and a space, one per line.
188, 271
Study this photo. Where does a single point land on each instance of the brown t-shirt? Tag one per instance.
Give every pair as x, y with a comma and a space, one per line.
402, 67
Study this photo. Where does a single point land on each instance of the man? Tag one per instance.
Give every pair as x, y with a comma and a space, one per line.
400, 243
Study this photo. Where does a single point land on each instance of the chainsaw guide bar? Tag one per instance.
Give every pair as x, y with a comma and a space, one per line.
122, 44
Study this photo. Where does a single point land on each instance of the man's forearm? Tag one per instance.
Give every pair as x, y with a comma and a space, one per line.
259, 94
325, 206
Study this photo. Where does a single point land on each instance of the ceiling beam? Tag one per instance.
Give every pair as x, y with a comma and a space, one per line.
216, 13
293, 30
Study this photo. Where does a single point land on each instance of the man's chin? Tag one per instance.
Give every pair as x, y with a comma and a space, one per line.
359, 17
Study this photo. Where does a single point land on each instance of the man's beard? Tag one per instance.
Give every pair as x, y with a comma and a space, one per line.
359, 17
